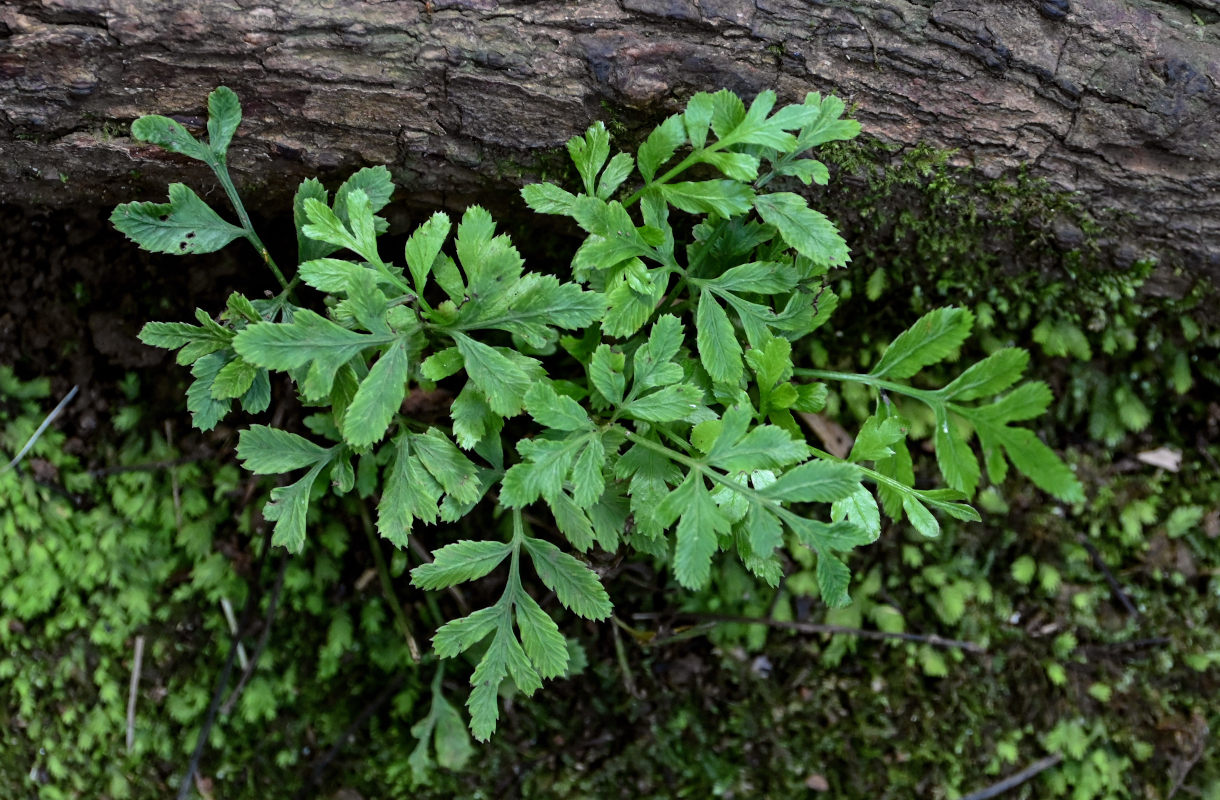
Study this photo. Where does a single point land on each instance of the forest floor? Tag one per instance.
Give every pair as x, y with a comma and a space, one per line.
1083, 641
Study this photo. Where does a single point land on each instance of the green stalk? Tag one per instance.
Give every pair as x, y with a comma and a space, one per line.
673, 308
514, 566
928, 396
673, 437
871, 474
222, 174
694, 157
513, 587
792, 519
402, 286
779, 510
765, 179
684, 164
706, 471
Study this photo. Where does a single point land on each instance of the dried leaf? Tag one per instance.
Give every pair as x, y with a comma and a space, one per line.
837, 441
1163, 457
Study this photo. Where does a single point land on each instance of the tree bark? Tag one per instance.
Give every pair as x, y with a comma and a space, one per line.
1118, 100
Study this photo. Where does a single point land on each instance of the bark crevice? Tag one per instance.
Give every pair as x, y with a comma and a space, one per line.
1115, 100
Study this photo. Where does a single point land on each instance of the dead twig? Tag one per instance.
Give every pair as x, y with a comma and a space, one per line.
1201, 445
1184, 769
1012, 781
621, 654
426, 557
192, 769
813, 627
1134, 644
173, 480
46, 423
147, 466
137, 662
227, 607
188, 780
315, 774
1115, 588
228, 704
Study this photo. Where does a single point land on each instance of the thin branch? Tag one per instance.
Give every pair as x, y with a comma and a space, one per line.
1115, 587
184, 789
621, 654
227, 707
1200, 748
173, 479
46, 423
1201, 445
1134, 644
137, 662
1012, 781
315, 775
775, 598
148, 466
426, 557
813, 627
681, 634
235, 629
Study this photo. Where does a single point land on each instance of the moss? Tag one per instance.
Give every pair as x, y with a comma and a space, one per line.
1026, 258
921, 220
915, 220
613, 119
90, 563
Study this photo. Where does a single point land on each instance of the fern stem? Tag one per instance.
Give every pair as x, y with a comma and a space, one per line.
514, 565
928, 396
674, 306
673, 437
684, 164
871, 474
709, 473
400, 284
693, 158
222, 174
777, 508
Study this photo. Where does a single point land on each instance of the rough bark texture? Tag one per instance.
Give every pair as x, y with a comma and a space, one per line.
1116, 99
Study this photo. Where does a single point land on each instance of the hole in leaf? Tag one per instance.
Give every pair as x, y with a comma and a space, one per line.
191, 235
181, 245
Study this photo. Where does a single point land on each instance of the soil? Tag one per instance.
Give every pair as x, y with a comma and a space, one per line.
73, 296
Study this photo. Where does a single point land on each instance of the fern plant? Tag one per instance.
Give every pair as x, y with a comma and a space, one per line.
648, 398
